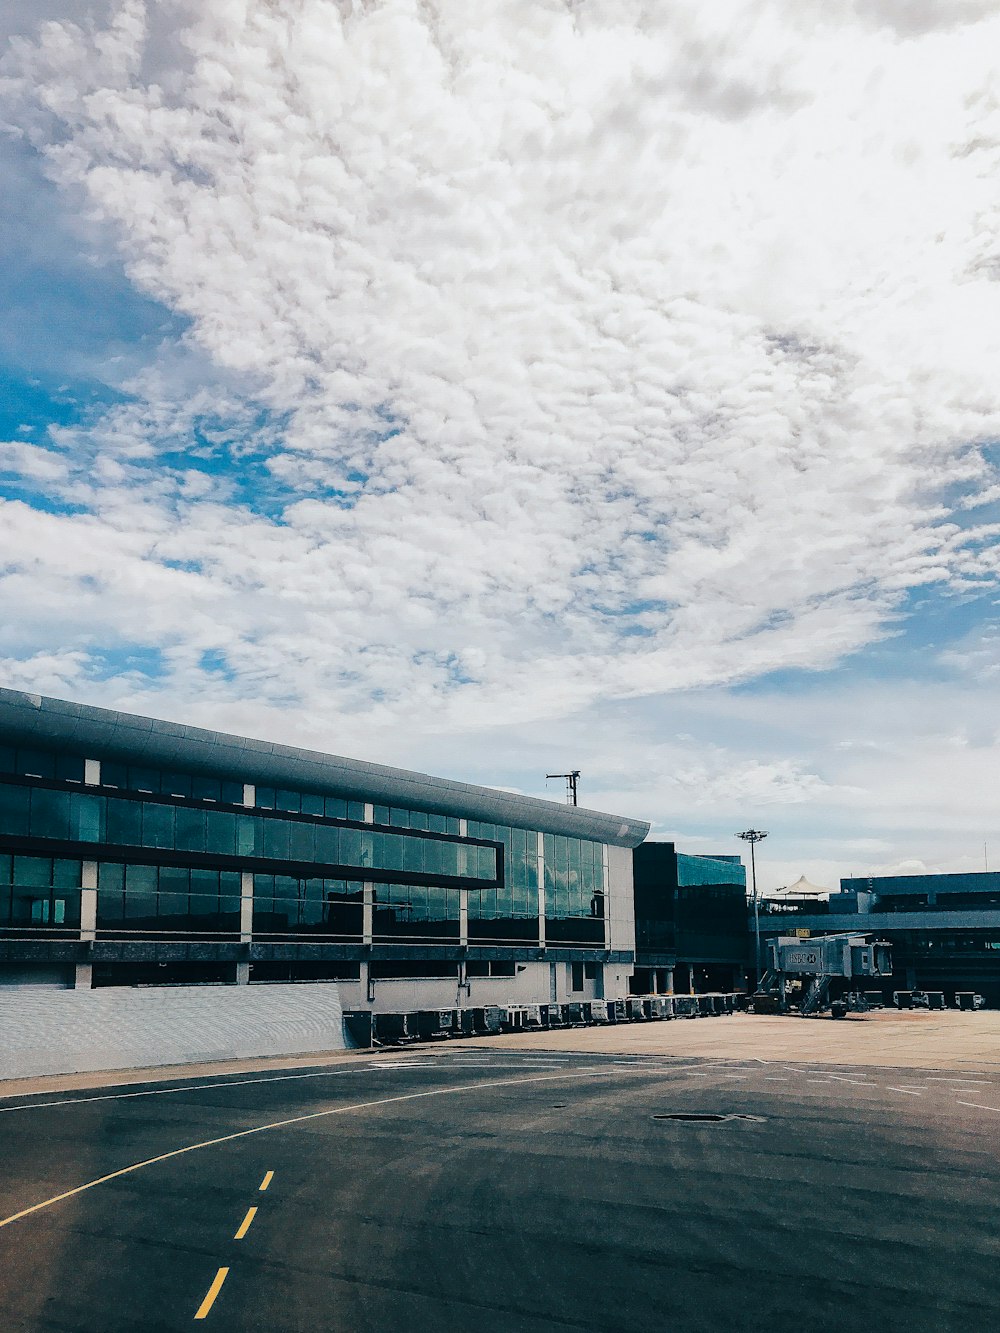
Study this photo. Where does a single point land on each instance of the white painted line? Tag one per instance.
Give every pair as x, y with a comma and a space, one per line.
285, 1124
776, 1078
188, 1087
910, 1092
979, 1106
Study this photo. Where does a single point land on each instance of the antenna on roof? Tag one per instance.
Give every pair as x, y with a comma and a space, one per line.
572, 779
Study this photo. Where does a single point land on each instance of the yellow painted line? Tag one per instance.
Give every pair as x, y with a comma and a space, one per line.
266, 1181
212, 1292
245, 1224
284, 1124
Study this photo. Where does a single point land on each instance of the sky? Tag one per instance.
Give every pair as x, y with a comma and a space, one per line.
502, 389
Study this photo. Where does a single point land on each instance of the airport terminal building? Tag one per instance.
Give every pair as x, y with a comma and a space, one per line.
139, 852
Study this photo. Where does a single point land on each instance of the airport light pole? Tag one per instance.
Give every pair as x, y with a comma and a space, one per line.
753, 836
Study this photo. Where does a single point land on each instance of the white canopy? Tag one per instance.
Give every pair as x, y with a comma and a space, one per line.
800, 889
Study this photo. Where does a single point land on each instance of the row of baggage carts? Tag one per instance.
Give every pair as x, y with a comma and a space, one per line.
365, 1029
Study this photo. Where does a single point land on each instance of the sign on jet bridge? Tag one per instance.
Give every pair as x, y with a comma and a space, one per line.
800, 960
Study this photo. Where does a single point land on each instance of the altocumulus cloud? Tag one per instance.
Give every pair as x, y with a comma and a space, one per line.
552, 351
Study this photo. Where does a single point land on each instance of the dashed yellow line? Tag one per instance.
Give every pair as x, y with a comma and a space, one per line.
266, 1181
245, 1224
287, 1123
212, 1292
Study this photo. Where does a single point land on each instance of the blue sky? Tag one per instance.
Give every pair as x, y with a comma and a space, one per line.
596, 391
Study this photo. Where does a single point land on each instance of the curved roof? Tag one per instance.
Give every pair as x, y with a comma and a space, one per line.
103, 733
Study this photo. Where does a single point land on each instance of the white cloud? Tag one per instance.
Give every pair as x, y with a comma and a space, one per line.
613, 348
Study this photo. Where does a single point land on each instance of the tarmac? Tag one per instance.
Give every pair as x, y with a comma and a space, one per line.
750, 1174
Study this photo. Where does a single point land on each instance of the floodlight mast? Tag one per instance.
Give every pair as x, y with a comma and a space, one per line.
753, 836
572, 779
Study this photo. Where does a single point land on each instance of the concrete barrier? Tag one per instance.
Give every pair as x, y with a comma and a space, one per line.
48, 1031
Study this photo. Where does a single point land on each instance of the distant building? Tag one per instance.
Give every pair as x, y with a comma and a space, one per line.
690, 920
944, 929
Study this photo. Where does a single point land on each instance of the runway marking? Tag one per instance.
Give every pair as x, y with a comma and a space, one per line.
284, 1124
245, 1224
910, 1092
776, 1078
266, 1181
979, 1106
853, 1078
212, 1292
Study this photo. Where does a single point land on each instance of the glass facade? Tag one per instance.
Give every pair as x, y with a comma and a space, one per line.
176, 852
39, 895
575, 904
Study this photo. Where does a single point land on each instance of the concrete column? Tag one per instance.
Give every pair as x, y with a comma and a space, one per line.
246, 924
84, 978
463, 916
368, 914
668, 980
607, 896
541, 891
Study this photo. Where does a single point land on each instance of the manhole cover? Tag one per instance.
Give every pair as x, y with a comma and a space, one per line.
707, 1117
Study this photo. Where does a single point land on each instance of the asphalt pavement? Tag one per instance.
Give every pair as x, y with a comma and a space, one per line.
506, 1192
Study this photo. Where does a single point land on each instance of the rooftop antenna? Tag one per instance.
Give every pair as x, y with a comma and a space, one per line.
572, 779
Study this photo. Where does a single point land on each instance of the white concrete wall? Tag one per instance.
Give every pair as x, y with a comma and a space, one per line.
49, 1031
622, 899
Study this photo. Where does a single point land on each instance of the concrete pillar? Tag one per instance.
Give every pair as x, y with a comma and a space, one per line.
607, 895
368, 914
668, 980
246, 924
84, 978
463, 917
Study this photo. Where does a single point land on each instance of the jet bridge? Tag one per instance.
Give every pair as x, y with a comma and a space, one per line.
822, 960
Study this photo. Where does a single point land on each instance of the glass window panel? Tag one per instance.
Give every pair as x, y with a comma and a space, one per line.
69, 767
207, 789
413, 857
5, 866
232, 792
8, 761
302, 842
87, 817
49, 814
176, 784
32, 871
327, 844
265, 798
110, 907
287, 800
110, 877
220, 832
437, 823
400, 818
143, 779
140, 907
36, 763
350, 847
124, 822
157, 825
249, 835
174, 879
334, 807
312, 803
286, 886
66, 874
189, 829
14, 809
356, 810
230, 883
276, 839
113, 775
140, 879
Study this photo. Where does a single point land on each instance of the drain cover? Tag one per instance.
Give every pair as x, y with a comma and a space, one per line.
707, 1117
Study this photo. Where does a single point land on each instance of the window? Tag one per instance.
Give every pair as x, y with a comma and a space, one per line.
576, 979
